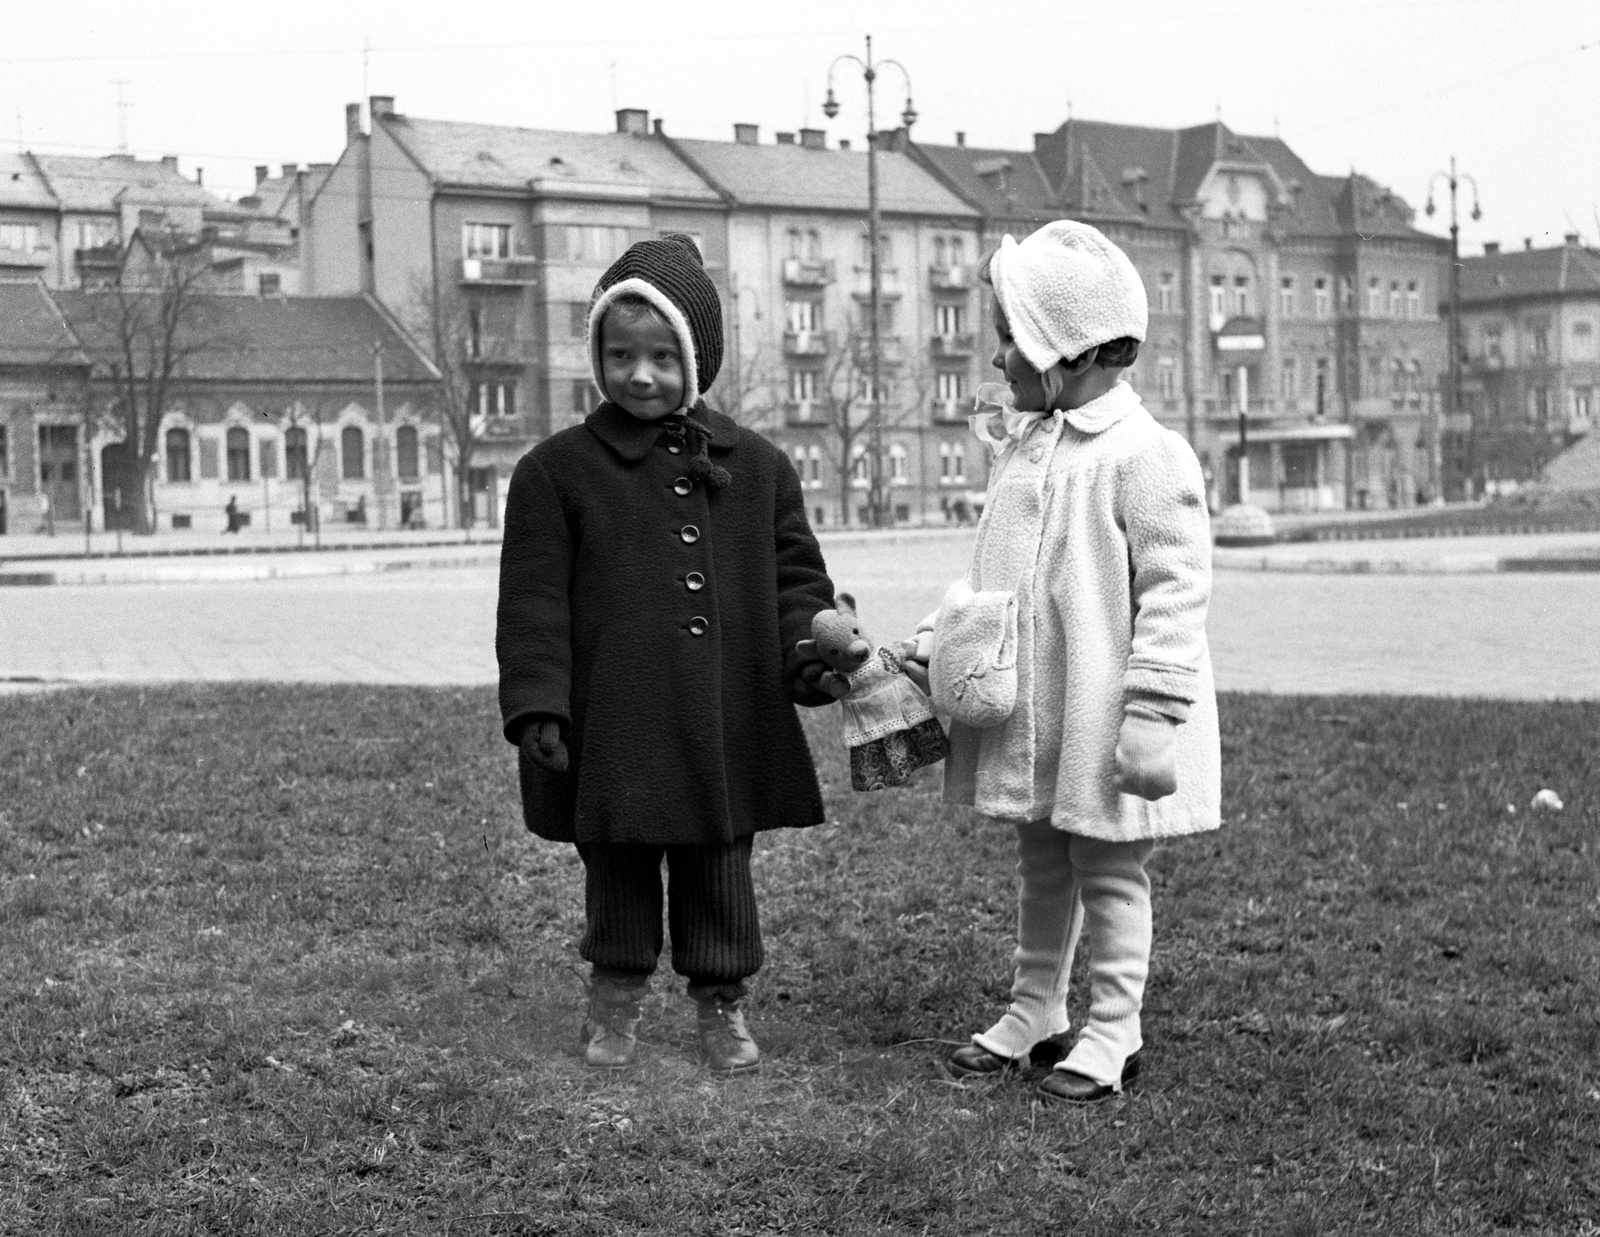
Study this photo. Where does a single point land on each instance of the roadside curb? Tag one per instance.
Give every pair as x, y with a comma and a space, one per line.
1458, 564
243, 570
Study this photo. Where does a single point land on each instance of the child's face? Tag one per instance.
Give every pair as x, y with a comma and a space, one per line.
641, 362
1027, 388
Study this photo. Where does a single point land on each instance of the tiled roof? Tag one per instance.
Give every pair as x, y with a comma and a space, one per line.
274, 195
31, 329
81, 183
20, 185
1005, 184
504, 157
1531, 272
821, 179
274, 339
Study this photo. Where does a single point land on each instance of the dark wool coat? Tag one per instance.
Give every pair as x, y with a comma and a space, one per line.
652, 617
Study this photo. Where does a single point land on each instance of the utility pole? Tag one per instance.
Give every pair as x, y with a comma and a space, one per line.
380, 448
1453, 338
830, 109
123, 107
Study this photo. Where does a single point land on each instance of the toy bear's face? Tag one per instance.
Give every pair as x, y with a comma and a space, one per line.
840, 641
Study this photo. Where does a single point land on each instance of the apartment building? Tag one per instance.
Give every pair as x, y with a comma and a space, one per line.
1309, 304
1530, 337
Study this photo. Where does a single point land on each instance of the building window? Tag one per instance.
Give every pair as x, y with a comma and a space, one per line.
1413, 300
860, 468
1582, 341
949, 318
1166, 292
295, 460
803, 316
1414, 385
1167, 378
793, 237
1539, 343
1286, 297
22, 237
897, 464
93, 233
1289, 378
1219, 297
885, 250
1374, 297
267, 456
353, 450
583, 397
814, 459
269, 283
406, 458
1582, 405
178, 455
1394, 298
1324, 385
1539, 406
596, 244
949, 385
864, 390
952, 463
1491, 346
1347, 295
802, 385
493, 399
1241, 295
238, 454
486, 240
1374, 375
1320, 298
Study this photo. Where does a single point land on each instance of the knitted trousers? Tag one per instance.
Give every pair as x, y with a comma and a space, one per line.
711, 912
1071, 884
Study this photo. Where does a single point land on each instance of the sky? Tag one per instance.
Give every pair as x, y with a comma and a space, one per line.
1391, 88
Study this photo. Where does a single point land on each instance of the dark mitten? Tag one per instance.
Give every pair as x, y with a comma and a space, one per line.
811, 683
541, 743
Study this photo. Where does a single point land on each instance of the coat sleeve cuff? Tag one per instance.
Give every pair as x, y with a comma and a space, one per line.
1148, 704
1180, 683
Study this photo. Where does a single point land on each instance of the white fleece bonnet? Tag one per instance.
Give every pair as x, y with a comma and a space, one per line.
1066, 289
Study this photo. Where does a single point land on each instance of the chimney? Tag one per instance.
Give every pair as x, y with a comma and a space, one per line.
844, 143
352, 121
814, 139
634, 120
784, 139
1571, 238
289, 169
380, 106
261, 172
961, 137
1527, 243
747, 135
1491, 248
660, 127
199, 176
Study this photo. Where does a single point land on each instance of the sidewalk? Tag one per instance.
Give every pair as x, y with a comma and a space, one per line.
180, 558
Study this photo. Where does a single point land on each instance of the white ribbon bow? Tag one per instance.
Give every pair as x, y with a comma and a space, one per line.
1007, 426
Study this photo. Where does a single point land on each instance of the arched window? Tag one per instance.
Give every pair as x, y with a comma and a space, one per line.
238, 454
295, 460
178, 455
353, 452
405, 451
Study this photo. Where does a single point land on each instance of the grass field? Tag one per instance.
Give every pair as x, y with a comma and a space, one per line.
283, 961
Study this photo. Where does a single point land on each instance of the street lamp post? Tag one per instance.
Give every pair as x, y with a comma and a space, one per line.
1453, 340
830, 109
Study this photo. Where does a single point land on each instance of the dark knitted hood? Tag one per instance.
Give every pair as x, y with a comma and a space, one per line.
669, 274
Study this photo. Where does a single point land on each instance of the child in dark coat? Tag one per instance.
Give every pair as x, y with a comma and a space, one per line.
657, 585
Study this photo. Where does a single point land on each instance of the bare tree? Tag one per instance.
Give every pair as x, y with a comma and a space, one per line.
144, 322
843, 391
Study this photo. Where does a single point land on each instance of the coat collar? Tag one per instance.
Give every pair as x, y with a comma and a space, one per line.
1104, 412
632, 438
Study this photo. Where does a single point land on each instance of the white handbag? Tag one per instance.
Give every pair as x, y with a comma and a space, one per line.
973, 670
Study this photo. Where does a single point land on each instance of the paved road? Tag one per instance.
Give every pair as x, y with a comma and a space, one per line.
1514, 636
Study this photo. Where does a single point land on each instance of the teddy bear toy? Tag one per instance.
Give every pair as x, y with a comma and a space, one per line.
889, 724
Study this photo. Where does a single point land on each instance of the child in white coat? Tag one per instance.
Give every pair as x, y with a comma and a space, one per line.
1096, 518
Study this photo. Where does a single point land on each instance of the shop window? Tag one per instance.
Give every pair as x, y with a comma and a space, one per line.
238, 454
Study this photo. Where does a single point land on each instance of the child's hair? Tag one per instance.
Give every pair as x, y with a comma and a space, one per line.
1114, 353
634, 306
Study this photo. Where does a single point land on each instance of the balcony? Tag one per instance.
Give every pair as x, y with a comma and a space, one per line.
1228, 409
501, 350
503, 271
807, 272
807, 343
888, 284
805, 412
955, 278
960, 344
891, 350
29, 259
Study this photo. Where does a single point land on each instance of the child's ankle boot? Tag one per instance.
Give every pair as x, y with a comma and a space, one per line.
725, 1043
611, 1026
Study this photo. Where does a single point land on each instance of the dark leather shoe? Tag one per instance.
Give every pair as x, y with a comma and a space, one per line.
972, 1059
1070, 1087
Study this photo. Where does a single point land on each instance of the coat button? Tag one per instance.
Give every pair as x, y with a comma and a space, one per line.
694, 581
1036, 455
682, 486
689, 533
698, 626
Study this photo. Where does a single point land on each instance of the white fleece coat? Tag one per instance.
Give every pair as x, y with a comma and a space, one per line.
1097, 518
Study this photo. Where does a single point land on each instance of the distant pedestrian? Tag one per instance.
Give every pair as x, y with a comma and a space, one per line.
235, 519
657, 585
1095, 538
